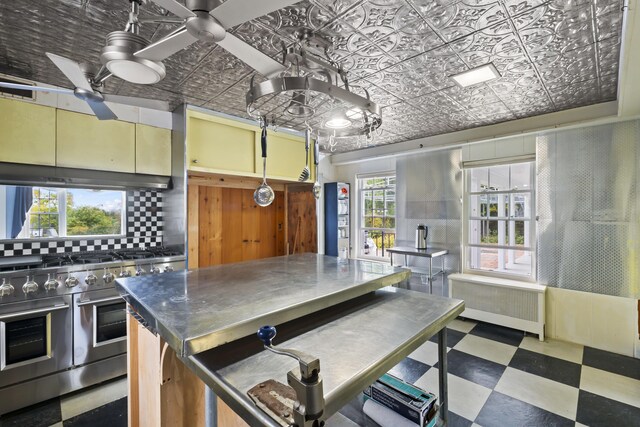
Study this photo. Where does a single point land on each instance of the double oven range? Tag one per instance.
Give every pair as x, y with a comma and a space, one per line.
62, 322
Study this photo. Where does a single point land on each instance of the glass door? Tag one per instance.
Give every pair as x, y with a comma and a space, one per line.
26, 339
110, 322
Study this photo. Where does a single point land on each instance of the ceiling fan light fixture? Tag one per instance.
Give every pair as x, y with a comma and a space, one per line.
118, 57
136, 72
481, 74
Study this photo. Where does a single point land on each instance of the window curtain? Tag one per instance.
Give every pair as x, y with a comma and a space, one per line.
19, 201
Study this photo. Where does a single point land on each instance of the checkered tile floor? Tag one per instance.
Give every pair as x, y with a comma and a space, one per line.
104, 405
498, 377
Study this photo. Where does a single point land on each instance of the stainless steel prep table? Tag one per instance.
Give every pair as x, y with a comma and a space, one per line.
430, 253
322, 305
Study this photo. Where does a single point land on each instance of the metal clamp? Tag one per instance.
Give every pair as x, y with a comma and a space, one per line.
307, 382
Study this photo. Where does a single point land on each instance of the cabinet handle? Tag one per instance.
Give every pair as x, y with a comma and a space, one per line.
194, 161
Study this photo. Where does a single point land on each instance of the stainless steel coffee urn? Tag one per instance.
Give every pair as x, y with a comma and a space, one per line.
421, 236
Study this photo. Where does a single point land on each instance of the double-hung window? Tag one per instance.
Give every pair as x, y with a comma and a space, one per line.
499, 220
377, 215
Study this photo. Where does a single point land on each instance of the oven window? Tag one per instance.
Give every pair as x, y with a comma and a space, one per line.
111, 322
26, 339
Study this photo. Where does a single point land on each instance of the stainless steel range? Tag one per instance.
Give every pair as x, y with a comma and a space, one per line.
63, 324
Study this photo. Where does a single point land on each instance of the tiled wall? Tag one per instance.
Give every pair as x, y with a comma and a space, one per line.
144, 229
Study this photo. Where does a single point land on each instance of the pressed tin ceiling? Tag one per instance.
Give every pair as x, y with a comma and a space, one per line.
552, 55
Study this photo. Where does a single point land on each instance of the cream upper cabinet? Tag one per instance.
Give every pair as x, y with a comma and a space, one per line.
85, 142
220, 145
285, 156
27, 133
215, 143
153, 150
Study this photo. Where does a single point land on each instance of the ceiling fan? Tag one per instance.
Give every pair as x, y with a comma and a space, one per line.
89, 89
208, 20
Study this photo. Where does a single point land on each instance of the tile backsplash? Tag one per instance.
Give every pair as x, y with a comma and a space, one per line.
143, 229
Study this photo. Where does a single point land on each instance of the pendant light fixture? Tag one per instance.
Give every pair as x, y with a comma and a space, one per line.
299, 106
338, 120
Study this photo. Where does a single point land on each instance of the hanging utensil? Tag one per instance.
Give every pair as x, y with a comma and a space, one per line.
264, 195
304, 175
317, 189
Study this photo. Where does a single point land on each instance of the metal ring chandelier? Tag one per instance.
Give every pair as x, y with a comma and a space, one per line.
308, 97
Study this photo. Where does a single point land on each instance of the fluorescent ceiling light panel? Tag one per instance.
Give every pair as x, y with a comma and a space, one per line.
480, 74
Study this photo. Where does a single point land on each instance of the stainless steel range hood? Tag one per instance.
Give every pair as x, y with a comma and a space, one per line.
49, 176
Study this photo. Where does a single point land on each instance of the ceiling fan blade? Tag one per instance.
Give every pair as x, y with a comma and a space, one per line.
164, 48
175, 8
234, 12
36, 88
72, 70
101, 111
251, 56
138, 102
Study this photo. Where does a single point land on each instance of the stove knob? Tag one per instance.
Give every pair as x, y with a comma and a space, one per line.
71, 281
154, 270
125, 273
6, 289
91, 279
140, 271
108, 277
168, 269
29, 287
51, 284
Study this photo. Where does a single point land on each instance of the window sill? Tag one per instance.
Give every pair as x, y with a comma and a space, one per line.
498, 281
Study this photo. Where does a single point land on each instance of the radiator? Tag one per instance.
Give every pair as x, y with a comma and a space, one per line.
510, 303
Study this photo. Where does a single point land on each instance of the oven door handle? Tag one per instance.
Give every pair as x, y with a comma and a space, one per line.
99, 301
10, 316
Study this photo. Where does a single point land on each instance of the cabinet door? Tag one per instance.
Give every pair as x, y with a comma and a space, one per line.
219, 144
285, 156
153, 150
28, 133
85, 142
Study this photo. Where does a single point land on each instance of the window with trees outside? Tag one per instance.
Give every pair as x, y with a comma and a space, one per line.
499, 232
377, 216
56, 212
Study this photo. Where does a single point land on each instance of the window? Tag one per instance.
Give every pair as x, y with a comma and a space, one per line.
42, 212
377, 215
499, 232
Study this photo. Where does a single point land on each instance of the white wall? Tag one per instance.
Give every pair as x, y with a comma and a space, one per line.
601, 321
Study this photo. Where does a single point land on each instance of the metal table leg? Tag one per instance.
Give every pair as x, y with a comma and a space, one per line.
442, 373
430, 275
442, 271
210, 408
